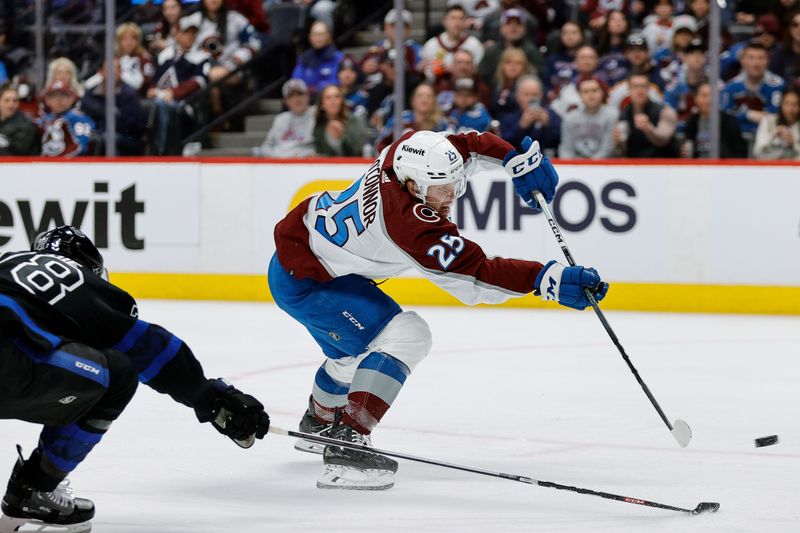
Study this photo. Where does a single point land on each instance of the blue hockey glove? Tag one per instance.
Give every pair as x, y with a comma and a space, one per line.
531, 171
565, 285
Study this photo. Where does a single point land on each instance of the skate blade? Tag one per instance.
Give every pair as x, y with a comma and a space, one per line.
27, 525
344, 478
307, 446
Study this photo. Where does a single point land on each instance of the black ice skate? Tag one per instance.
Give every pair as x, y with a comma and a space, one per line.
351, 469
56, 511
311, 424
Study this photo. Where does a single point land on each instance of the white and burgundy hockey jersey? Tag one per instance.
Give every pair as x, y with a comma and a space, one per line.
377, 229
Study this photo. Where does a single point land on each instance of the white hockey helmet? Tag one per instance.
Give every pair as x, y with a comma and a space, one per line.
429, 158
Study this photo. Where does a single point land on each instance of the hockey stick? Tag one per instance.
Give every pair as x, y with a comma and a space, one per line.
680, 429
702, 507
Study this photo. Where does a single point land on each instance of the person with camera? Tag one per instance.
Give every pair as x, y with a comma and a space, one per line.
531, 117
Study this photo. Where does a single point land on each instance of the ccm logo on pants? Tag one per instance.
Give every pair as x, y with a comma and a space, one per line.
87, 368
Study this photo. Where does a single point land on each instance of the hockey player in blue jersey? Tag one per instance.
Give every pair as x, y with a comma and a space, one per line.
755, 92
72, 348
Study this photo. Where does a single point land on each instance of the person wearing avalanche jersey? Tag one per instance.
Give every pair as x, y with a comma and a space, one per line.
395, 217
755, 92
65, 130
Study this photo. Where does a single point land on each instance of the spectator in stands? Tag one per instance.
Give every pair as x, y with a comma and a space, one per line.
588, 132
697, 133
171, 12
646, 128
638, 55
701, 11
135, 62
681, 91
610, 45
768, 32
64, 70
17, 132
355, 96
513, 34
747, 11
130, 119
560, 69
785, 11
568, 98
370, 65
318, 65
476, 12
337, 132
467, 112
493, 21
437, 53
513, 65
423, 115
668, 57
778, 136
65, 131
229, 39
463, 67
292, 132
594, 12
754, 92
320, 10
182, 70
253, 11
380, 96
785, 61
658, 26
637, 52
531, 117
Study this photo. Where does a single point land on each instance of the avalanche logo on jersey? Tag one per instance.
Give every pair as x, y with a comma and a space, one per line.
426, 213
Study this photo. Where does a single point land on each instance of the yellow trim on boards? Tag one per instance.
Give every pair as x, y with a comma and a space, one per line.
315, 187
414, 291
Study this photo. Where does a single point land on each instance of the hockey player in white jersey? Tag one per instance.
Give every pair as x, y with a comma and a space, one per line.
395, 217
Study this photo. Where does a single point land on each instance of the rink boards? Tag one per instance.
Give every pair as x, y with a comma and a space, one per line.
669, 237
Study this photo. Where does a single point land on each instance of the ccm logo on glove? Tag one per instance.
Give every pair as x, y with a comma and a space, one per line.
567, 285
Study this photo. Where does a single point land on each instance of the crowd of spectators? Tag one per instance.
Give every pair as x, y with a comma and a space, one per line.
592, 79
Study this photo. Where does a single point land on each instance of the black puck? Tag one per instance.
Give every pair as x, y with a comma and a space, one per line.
766, 441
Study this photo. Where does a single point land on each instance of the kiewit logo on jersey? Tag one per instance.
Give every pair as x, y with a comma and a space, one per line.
412, 150
88, 368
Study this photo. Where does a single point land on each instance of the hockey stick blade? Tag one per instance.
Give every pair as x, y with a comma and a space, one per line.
682, 432
706, 507
701, 508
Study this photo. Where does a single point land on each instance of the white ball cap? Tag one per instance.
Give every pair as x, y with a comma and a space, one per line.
429, 158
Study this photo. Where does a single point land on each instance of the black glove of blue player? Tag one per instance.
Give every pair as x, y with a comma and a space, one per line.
234, 413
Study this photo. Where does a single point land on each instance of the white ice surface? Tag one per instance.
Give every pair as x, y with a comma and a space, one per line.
536, 393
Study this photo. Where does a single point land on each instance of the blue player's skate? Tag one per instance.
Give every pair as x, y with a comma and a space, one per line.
28, 509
